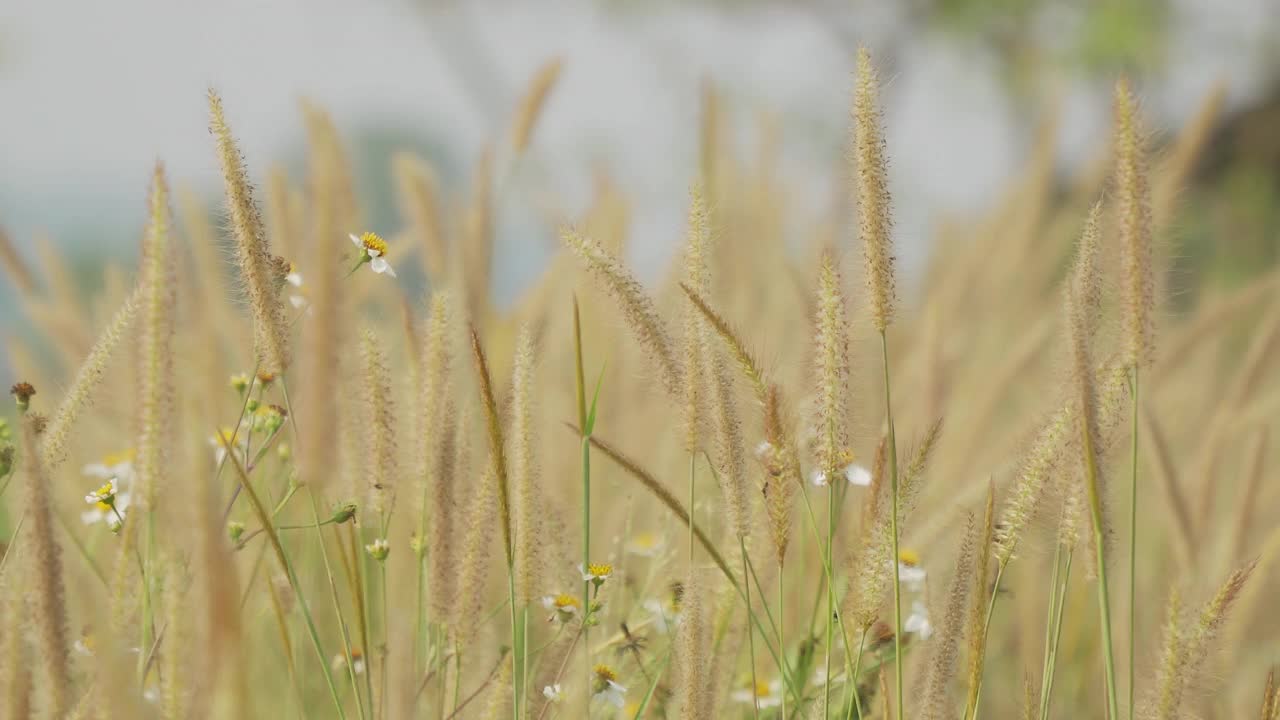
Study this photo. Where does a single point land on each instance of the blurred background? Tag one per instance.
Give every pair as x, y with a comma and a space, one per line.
94, 93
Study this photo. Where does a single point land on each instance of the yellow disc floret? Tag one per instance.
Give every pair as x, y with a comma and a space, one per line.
371, 241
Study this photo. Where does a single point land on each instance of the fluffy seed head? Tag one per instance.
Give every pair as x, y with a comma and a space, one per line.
870, 168
831, 353
259, 269
380, 426
1134, 209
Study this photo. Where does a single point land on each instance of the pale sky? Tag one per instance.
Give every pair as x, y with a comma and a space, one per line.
92, 93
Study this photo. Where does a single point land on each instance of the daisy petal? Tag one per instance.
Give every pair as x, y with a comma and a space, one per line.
380, 265
355, 241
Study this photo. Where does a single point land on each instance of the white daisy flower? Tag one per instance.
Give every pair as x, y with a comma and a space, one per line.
918, 621
373, 250
552, 692
766, 695
910, 574
596, 572
607, 689
378, 549
221, 442
854, 473
664, 619
646, 545
564, 606
116, 465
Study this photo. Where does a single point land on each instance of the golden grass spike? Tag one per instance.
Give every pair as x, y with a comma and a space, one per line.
44, 572
831, 357
156, 388
636, 307
870, 168
416, 188
476, 253
697, 353
1270, 694
730, 452
477, 546
497, 448
178, 664
981, 585
782, 472
693, 681
15, 267
15, 680
1133, 206
380, 427
746, 361
446, 526
262, 273
526, 484
535, 98
944, 654
54, 439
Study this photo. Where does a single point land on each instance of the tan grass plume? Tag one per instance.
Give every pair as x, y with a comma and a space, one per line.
262, 273
1134, 210
155, 346
870, 168
535, 98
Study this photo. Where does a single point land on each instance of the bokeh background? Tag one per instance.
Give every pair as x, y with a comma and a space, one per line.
94, 93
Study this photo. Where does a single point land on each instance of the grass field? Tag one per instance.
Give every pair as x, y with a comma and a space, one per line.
256, 477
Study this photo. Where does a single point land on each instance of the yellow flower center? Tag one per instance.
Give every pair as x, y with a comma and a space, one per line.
567, 602
909, 557
604, 673
645, 541
600, 570
114, 459
371, 241
762, 689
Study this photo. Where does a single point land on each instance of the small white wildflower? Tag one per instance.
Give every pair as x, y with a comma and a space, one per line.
552, 692
766, 695
918, 621
646, 545
373, 250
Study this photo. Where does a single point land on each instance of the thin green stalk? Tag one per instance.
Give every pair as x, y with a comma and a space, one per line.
581, 393
1047, 699
1104, 603
515, 639
337, 603
982, 647
382, 685
782, 645
893, 527
359, 594
1051, 605
1133, 538
283, 558
853, 679
524, 665
831, 601
751, 636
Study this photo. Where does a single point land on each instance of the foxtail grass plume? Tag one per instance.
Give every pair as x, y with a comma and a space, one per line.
15, 676
445, 530
54, 439
526, 483
44, 572
155, 346
636, 307
730, 452
15, 267
263, 274
476, 252
380, 427
871, 171
782, 473
693, 653
831, 357
944, 656
1182, 660
1134, 209
497, 447
416, 188
544, 81
696, 351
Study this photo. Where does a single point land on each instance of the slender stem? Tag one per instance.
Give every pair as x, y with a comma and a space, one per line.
382, 652
982, 646
1057, 638
1104, 603
853, 678
1133, 538
831, 529
1052, 606
515, 639
782, 645
751, 636
893, 523
283, 558
337, 603
586, 561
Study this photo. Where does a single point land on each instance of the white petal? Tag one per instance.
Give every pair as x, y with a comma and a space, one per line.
96, 470
355, 241
380, 265
89, 517
373, 253
297, 301
858, 475
294, 279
